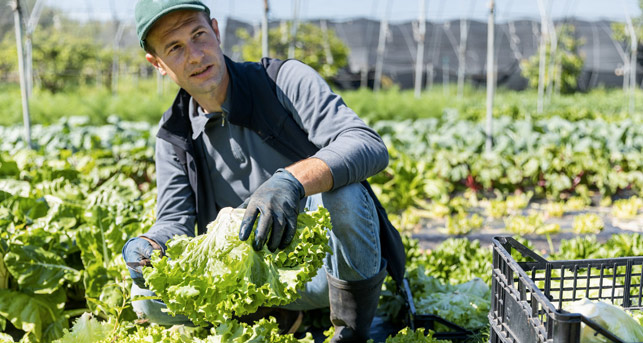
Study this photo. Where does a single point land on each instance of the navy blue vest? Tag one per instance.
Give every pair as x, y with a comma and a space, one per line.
253, 91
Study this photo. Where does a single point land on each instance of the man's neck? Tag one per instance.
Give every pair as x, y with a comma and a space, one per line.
212, 102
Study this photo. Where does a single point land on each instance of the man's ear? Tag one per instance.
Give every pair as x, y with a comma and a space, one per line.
155, 62
215, 27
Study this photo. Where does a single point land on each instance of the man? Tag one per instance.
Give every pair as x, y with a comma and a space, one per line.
234, 137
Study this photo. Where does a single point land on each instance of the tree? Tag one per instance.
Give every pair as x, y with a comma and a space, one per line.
568, 63
619, 31
323, 51
60, 59
8, 58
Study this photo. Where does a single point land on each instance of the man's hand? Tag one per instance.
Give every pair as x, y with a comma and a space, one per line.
277, 200
136, 253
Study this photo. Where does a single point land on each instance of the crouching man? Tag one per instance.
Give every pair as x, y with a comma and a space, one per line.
271, 137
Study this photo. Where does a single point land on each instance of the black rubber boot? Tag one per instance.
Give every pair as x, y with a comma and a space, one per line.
353, 305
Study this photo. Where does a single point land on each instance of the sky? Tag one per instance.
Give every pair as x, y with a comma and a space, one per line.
397, 10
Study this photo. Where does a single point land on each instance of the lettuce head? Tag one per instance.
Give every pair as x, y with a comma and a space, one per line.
213, 277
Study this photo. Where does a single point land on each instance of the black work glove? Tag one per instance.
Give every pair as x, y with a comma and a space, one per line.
136, 253
277, 200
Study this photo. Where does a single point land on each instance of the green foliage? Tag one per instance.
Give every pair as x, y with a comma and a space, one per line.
133, 102
215, 276
627, 208
529, 225
451, 281
567, 63
553, 158
64, 219
322, 50
8, 58
407, 335
263, 331
620, 32
588, 223
466, 304
139, 100
87, 329
461, 224
61, 59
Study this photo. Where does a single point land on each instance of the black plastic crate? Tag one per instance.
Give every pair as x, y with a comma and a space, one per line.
527, 298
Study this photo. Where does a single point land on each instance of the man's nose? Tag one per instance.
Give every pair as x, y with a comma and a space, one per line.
195, 53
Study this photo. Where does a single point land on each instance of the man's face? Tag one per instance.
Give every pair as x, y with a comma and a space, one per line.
186, 47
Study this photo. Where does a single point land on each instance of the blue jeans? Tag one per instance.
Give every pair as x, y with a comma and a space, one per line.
354, 241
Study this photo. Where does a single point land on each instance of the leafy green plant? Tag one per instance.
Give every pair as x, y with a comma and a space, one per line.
530, 224
407, 335
554, 209
496, 208
215, 276
626, 208
458, 260
576, 203
461, 224
518, 201
588, 223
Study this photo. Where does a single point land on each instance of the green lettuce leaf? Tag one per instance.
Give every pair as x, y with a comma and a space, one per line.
101, 240
262, 331
214, 276
407, 335
37, 270
87, 329
608, 316
4, 273
5, 338
40, 316
466, 304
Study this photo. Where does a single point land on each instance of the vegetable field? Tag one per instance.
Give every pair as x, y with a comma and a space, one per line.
68, 206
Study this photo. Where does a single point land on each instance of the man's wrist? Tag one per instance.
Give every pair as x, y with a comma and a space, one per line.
293, 179
314, 175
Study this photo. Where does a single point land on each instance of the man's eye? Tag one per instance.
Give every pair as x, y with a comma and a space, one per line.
198, 34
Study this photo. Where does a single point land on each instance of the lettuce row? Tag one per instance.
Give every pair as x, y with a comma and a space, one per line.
88, 329
215, 276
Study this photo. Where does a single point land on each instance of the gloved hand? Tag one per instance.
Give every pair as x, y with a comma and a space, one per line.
136, 253
277, 200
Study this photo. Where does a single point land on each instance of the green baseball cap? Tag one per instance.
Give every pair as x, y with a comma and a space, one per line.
147, 12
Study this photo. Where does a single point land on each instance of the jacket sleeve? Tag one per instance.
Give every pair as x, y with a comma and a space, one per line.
351, 149
175, 205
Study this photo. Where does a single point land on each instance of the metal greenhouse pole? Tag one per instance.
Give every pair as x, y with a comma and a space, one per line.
327, 51
553, 46
462, 49
436, 40
381, 47
264, 30
293, 29
17, 18
32, 23
544, 27
491, 84
632, 68
419, 59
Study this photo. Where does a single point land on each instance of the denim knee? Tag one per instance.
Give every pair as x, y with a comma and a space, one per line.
354, 238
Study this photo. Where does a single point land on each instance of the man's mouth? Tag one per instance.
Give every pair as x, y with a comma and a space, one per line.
201, 71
